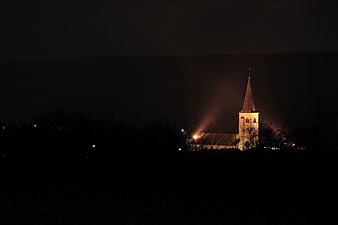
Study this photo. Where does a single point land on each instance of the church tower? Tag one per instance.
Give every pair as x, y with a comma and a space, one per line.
248, 121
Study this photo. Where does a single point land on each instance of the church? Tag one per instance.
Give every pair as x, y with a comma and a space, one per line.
248, 129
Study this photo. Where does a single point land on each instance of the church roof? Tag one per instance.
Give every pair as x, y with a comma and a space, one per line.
218, 139
249, 104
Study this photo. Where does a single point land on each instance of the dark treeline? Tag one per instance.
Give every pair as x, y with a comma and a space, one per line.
74, 136
65, 135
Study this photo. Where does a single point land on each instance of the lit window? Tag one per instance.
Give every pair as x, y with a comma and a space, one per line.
247, 121
255, 121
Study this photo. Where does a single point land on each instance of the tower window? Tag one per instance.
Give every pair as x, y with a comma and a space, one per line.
255, 121
247, 121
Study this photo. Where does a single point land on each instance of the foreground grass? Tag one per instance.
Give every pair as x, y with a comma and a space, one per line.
192, 189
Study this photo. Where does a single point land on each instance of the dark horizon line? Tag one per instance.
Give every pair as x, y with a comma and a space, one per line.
28, 60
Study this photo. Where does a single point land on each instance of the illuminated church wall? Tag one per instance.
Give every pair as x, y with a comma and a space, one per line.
248, 130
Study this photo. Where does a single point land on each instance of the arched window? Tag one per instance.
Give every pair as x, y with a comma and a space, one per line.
242, 117
247, 120
255, 121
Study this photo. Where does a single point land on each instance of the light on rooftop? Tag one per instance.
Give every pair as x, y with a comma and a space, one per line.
195, 137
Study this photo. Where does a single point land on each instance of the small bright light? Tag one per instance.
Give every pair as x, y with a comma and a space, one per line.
35, 125
195, 137
93, 146
179, 149
182, 130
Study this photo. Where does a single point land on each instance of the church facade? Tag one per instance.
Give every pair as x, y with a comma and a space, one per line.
248, 129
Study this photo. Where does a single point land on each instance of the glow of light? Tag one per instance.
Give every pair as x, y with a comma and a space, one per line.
35, 125
179, 149
182, 130
195, 137
93, 146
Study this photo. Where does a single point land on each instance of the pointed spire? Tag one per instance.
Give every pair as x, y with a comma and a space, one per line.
249, 104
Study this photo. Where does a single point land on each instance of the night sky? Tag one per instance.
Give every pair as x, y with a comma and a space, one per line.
71, 34
59, 29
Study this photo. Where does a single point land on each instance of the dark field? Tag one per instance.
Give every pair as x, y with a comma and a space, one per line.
187, 188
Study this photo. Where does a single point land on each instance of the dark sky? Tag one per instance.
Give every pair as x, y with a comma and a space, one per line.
285, 87
74, 28
184, 89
